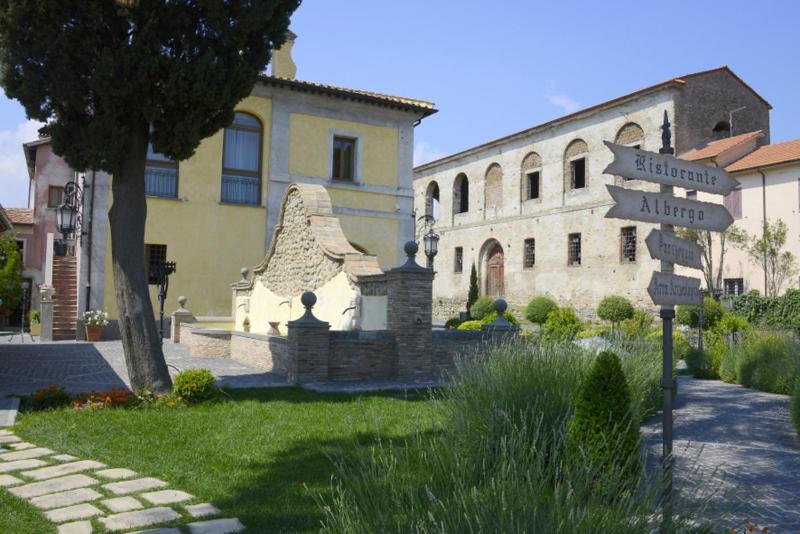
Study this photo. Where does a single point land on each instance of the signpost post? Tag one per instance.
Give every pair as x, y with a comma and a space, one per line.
667, 289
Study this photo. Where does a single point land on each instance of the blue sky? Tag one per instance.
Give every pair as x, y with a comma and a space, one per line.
495, 67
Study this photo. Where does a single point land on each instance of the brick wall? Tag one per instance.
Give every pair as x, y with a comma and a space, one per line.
362, 355
269, 353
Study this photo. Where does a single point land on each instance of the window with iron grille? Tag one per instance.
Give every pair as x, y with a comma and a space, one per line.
533, 185
627, 241
155, 257
733, 286
529, 255
574, 249
458, 260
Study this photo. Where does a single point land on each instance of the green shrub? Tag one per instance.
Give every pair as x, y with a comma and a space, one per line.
639, 325
775, 312
753, 306
615, 309
490, 317
50, 397
730, 323
470, 325
472, 296
34, 316
452, 322
562, 324
767, 361
539, 308
700, 364
592, 330
796, 405
602, 425
195, 385
482, 307
690, 315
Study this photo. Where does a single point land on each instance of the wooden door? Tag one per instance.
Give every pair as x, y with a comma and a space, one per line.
495, 273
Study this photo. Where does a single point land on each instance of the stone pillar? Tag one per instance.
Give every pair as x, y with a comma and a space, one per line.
309, 345
410, 299
46, 314
181, 315
500, 328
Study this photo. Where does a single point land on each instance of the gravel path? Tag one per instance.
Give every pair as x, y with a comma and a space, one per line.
741, 444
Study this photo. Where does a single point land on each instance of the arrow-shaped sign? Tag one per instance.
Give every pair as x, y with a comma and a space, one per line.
661, 208
638, 164
671, 289
668, 247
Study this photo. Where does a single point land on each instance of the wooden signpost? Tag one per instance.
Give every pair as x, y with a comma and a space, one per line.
667, 289
668, 247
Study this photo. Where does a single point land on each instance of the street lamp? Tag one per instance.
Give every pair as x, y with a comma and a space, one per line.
68, 216
431, 240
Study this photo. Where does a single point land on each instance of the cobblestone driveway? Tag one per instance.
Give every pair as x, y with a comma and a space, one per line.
80, 367
740, 442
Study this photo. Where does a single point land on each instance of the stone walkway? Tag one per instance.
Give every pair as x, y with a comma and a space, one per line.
737, 448
84, 496
82, 367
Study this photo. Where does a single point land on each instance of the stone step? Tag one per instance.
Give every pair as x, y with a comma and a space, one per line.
62, 469
136, 485
19, 465
76, 527
122, 504
26, 454
53, 485
139, 518
216, 526
71, 513
166, 496
65, 498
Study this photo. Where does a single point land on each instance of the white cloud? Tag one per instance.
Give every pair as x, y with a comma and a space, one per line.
568, 104
424, 153
13, 170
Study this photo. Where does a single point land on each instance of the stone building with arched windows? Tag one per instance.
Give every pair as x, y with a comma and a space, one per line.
528, 209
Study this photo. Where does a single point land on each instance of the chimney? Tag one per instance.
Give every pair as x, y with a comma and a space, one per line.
282, 63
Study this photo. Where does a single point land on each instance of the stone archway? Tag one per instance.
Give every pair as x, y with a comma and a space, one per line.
493, 269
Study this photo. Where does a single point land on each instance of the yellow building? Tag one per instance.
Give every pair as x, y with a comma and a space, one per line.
215, 212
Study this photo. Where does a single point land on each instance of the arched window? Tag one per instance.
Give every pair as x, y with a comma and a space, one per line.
493, 189
241, 161
432, 207
530, 183
722, 130
461, 194
576, 170
629, 135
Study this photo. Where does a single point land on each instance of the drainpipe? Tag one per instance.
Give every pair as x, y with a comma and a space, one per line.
764, 220
89, 245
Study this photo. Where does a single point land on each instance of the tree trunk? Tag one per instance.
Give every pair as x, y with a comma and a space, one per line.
140, 340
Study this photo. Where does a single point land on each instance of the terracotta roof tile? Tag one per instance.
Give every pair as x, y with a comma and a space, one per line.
20, 215
715, 148
413, 104
768, 155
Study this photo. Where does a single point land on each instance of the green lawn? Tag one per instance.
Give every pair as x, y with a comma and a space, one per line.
260, 456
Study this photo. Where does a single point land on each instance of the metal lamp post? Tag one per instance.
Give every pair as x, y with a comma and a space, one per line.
431, 240
68, 214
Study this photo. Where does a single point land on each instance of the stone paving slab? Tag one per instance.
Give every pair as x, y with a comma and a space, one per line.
53, 485
202, 510
78, 527
166, 496
9, 480
64, 458
62, 469
71, 513
122, 504
216, 526
21, 446
132, 486
20, 464
5, 432
116, 473
140, 518
10, 439
36, 452
8, 410
158, 531
65, 498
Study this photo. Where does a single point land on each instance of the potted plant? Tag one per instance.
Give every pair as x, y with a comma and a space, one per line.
34, 318
93, 322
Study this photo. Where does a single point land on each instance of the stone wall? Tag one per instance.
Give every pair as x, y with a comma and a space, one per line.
268, 353
206, 342
444, 308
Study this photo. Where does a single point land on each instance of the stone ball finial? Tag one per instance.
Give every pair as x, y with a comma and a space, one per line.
411, 248
500, 306
308, 299
182, 301
245, 271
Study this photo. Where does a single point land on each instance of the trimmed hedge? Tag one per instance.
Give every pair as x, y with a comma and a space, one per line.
195, 385
482, 307
615, 309
539, 308
562, 323
453, 322
779, 312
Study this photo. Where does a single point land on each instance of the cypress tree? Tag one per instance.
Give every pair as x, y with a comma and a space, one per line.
473, 295
110, 77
